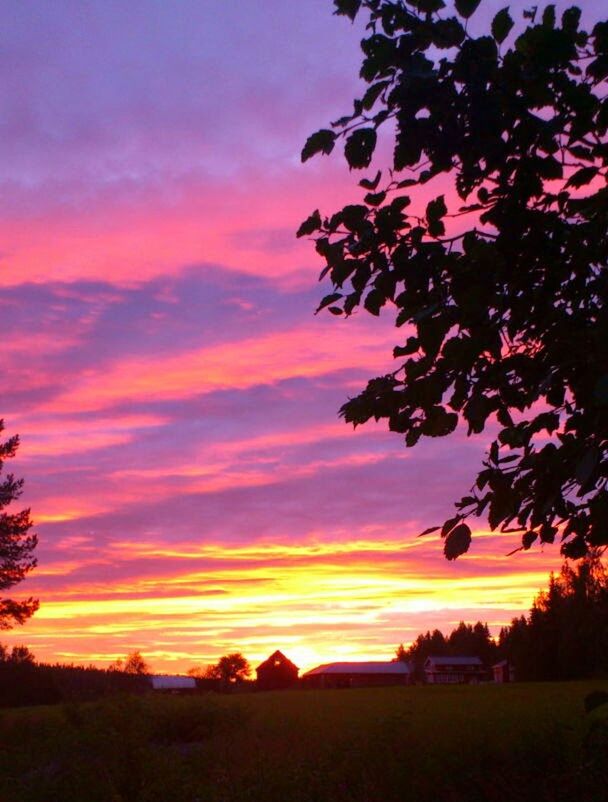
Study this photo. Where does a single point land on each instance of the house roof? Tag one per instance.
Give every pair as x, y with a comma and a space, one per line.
168, 683
454, 661
371, 667
275, 657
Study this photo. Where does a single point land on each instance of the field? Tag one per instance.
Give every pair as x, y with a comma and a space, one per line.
447, 744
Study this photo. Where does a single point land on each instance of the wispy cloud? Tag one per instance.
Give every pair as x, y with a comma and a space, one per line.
193, 489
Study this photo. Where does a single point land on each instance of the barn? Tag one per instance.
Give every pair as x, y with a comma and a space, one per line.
276, 673
453, 670
371, 674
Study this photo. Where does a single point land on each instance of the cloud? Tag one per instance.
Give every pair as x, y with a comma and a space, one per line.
192, 486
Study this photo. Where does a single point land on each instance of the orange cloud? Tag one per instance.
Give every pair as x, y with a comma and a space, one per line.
319, 600
299, 353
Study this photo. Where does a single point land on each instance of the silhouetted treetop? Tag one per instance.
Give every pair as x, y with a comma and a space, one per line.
16, 543
230, 668
498, 277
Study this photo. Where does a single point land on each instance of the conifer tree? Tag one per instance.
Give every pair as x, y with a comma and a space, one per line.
17, 544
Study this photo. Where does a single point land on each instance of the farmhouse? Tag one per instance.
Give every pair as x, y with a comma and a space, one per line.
276, 673
172, 684
453, 670
358, 675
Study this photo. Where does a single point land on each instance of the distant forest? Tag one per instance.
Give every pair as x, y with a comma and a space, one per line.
564, 636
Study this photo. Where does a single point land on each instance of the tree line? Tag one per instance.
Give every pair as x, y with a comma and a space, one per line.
563, 636
25, 682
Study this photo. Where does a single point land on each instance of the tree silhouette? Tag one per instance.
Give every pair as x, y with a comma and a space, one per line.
135, 664
230, 668
466, 640
499, 278
565, 634
16, 543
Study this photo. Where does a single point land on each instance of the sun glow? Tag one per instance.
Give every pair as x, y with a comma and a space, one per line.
315, 600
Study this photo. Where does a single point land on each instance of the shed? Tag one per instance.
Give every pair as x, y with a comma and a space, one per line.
503, 672
172, 683
276, 673
453, 670
358, 675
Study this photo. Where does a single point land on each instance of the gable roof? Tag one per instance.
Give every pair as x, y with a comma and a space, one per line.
453, 661
271, 662
370, 667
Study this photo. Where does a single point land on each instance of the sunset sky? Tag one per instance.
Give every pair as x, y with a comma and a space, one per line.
192, 486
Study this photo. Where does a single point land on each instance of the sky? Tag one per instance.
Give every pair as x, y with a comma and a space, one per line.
192, 486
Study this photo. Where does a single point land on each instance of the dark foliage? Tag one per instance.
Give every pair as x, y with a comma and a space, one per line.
565, 634
563, 637
500, 282
23, 682
466, 640
229, 670
16, 543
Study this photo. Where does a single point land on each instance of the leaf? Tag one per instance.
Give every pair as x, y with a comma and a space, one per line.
347, 8
502, 25
401, 202
582, 177
570, 19
429, 6
598, 68
600, 36
373, 93
457, 542
429, 531
359, 148
410, 347
448, 33
328, 300
450, 524
375, 198
466, 8
436, 209
528, 538
374, 301
322, 141
549, 17
439, 422
547, 533
353, 216
370, 184
586, 466
574, 549
311, 224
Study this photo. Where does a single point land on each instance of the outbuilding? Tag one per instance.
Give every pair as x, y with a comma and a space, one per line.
453, 670
503, 672
371, 674
276, 673
173, 683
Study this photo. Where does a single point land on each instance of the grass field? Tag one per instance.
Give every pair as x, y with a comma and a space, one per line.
446, 744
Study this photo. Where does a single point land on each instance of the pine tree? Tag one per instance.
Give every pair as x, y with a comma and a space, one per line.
17, 544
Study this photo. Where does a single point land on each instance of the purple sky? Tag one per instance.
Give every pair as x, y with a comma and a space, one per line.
177, 400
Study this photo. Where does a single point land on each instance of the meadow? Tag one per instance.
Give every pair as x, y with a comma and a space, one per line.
446, 744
